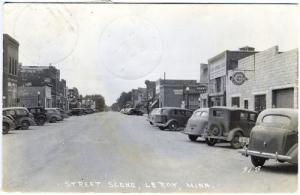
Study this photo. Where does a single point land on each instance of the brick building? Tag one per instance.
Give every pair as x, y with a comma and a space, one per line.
203, 86
178, 93
139, 98
264, 80
63, 101
40, 76
152, 102
10, 71
218, 67
35, 96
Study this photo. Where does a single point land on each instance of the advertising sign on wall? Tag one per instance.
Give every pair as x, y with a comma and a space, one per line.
217, 68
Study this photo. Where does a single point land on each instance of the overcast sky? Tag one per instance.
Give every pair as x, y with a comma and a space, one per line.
107, 49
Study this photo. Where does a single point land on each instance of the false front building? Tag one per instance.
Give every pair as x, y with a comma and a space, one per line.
268, 79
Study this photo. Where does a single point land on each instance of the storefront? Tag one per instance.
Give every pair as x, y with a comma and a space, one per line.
267, 79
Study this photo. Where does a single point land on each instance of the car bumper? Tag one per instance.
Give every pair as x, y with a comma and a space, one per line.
267, 155
159, 124
190, 131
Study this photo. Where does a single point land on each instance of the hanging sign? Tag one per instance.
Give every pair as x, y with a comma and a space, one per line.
238, 78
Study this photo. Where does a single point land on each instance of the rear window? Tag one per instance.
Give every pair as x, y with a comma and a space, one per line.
197, 114
277, 119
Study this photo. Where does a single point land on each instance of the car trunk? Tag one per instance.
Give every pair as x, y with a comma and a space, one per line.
264, 140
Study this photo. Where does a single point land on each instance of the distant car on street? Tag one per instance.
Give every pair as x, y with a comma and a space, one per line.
197, 124
77, 111
7, 124
63, 113
275, 136
53, 115
22, 117
39, 114
228, 124
170, 118
88, 110
134, 111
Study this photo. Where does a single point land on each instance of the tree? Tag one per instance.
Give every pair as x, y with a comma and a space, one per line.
99, 100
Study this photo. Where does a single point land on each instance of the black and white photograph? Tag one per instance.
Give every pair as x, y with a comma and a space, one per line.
150, 97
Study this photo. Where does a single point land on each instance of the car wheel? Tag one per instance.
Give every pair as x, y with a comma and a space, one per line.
5, 128
258, 161
41, 121
25, 125
151, 123
193, 137
211, 141
173, 126
162, 128
53, 120
235, 143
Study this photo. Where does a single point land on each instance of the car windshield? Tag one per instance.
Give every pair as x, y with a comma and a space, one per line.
156, 111
277, 119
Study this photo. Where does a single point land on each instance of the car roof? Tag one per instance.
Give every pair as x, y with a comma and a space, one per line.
232, 108
177, 108
11, 108
202, 109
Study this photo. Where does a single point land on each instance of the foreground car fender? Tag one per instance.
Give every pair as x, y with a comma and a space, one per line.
293, 153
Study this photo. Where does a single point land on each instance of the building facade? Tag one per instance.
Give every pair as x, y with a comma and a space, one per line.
35, 96
63, 101
203, 86
40, 76
218, 68
268, 79
178, 93
10, 71
139, 98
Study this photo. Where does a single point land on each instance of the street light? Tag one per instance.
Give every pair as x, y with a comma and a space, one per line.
39, 93
187, 89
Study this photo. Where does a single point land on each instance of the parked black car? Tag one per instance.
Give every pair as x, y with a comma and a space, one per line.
23, 118
39, 114
134, 111
228, 124
275, 136
78, 111
170, 118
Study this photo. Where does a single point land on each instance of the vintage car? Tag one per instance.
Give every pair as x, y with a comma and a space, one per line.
63, 113
170, 118
53, 115
39, 114
78, 111
197, 124
151, 114
228, 124
275, 136
22, 117
8, 124
134, 111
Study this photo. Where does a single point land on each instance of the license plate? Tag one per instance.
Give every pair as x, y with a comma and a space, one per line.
244, 140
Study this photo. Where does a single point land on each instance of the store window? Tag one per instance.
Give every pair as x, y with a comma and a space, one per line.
246, 104
235, 101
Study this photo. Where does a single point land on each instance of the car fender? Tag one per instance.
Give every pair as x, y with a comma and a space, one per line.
293, 152
232, 132
169, 121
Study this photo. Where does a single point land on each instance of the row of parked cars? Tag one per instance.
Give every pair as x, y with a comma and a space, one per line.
132, 111
272, 134
23, 118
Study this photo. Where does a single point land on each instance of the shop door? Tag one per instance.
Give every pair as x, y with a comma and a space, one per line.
283, 98
260, 103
